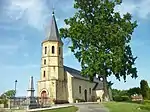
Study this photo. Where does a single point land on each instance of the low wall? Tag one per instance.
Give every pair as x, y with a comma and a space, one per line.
53, 107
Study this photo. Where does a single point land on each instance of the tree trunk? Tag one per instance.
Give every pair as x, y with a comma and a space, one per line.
110, 94
106, 96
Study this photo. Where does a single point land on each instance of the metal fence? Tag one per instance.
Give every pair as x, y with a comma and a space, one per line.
33, 102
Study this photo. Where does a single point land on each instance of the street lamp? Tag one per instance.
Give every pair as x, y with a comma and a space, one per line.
15, 86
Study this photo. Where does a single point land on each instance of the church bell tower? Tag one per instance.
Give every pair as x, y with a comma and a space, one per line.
52, 55
52, 71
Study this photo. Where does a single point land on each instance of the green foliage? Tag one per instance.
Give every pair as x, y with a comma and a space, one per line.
5, 96
120, 95
101, 39
135, 90
125, 98
121, 98
144, 89
8, 94
116, 92
3, 101
146, 102
109, 84
124, 107
145, 107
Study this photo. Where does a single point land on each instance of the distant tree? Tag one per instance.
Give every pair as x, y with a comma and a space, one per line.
120, 95
135, 90
144, 89
8, 94
116, 92
101, 39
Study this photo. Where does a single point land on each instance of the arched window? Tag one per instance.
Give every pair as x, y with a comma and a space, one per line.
79, 89
44, 61
43, 73
45, 50
53, 49
90, 91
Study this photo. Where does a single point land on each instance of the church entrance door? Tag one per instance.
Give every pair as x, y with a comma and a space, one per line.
43, 94
43, 97
85, 94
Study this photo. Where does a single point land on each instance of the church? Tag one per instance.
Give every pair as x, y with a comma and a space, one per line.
58, 82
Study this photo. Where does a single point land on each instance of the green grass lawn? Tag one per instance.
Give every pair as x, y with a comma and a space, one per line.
124, 107
67, 109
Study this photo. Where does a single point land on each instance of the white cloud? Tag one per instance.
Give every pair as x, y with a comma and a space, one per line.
33, 12
141, 9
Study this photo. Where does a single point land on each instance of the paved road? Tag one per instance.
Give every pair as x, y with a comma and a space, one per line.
91, 108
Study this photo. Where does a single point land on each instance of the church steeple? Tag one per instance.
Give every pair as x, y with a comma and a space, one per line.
52, 69
53, 34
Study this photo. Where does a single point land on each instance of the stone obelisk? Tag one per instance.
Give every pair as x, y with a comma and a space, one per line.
31, 98
31, 88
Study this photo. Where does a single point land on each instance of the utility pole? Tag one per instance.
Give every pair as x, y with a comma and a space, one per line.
15, 87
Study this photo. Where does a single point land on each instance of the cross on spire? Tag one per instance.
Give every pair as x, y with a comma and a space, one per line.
53, 10
53, 34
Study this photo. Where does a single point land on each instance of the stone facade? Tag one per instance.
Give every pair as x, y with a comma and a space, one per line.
58, 82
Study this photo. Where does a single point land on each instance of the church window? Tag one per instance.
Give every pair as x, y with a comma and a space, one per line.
44, 74
45, 50
90, 91
79, 89
53, 50
44, 61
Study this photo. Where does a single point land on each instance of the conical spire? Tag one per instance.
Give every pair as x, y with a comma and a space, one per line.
53, 34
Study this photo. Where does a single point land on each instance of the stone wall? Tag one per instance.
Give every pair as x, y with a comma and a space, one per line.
85, 85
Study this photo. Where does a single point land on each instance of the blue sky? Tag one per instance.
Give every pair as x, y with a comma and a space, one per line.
24, 24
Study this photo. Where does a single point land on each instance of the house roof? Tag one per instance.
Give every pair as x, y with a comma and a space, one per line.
98, 86
53, 34
77, 74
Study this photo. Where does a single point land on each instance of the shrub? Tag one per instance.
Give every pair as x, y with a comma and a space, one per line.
145, 107
121, 98
125, 98
117, 98
146, 102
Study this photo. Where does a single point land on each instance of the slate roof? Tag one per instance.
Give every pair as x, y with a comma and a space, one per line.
98, 86
76, 73
53, 34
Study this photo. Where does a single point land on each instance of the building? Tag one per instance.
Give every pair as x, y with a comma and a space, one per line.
59, 82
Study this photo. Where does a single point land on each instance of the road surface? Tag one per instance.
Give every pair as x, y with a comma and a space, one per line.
91, 107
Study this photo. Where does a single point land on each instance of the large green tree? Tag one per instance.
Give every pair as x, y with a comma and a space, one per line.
101, 39
144, 89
